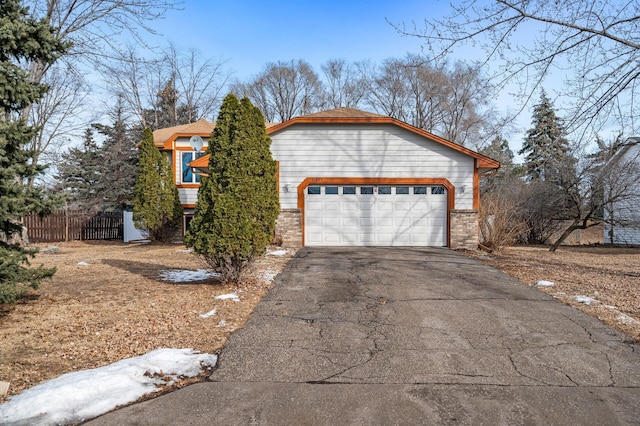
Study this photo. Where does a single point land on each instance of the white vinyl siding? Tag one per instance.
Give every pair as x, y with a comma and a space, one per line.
626, 211
368, 151
188, 196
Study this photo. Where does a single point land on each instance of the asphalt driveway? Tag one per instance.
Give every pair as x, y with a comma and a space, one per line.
408, 336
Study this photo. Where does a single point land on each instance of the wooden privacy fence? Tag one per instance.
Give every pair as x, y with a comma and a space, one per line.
69, 225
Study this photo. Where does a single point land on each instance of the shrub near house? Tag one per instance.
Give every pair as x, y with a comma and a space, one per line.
237, 203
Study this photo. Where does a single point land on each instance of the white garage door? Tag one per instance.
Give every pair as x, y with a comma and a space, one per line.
370, 215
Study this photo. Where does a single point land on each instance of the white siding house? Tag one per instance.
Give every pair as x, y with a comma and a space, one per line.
622, 216
176, 143
349, 177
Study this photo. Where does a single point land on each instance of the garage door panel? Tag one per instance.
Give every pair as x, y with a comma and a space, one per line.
385, 206
314, 221
385, 221
403, 238
375, 219
346, 206
331, 205
385, 237
331, 222
402, 205
365, 205
347, 222
367, 222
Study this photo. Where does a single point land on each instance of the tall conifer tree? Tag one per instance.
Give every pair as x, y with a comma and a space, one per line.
238, 202
546, 147
156, 205
21, 39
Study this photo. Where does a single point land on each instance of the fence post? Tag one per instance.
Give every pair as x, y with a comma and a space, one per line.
66, 222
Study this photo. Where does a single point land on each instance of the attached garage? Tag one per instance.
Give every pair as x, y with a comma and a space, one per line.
353, 178
373, 214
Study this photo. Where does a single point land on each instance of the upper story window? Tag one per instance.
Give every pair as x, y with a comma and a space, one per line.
187, 175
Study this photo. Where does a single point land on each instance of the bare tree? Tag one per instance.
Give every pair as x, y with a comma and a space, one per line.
135, 80
199, 81
602, 181
345, 86
53, 114
468, 117
387, 88
195, 83
284, 90
594, 41
90, 28
453, 102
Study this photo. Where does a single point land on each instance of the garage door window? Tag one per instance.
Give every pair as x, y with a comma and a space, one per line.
384, 190
331, 190
366, 190
313, 190
402, 190
349, 190
419, 190
439, 190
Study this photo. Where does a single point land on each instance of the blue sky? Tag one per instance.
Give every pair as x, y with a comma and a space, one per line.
250, 34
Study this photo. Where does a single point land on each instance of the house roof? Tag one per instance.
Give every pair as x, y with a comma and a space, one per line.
631, 145
203, 128
343, 113
354, 116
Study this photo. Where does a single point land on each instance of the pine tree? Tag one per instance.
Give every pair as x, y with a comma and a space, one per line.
102, 177
167, 111
120, 162
21, 38
156, 205
238, 202
80, 173
546, 148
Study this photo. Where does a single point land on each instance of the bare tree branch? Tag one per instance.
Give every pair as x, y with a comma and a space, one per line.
597, 41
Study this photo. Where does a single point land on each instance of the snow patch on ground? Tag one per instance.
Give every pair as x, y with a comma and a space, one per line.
222, 323
626, 319
584, 299
184, 250
82, 264
185, 275
82, 395
268, 276
208, 314
281, 252
231, 296
543, 283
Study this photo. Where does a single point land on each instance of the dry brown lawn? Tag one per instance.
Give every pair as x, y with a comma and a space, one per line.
108, 302
609, 275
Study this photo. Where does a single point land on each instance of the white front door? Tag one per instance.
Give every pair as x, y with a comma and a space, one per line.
375, 215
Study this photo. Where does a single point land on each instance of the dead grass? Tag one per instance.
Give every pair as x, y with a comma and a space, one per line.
116, 306
107, 302
610, 275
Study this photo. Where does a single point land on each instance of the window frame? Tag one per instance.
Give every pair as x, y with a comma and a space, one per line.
195, 177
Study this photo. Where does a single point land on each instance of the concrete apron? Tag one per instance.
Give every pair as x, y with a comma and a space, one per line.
408, 336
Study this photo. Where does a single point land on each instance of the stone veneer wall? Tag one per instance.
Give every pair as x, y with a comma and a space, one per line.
464, 229
289, 228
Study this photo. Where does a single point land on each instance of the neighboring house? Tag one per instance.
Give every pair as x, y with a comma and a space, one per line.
354, 178
622, 217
